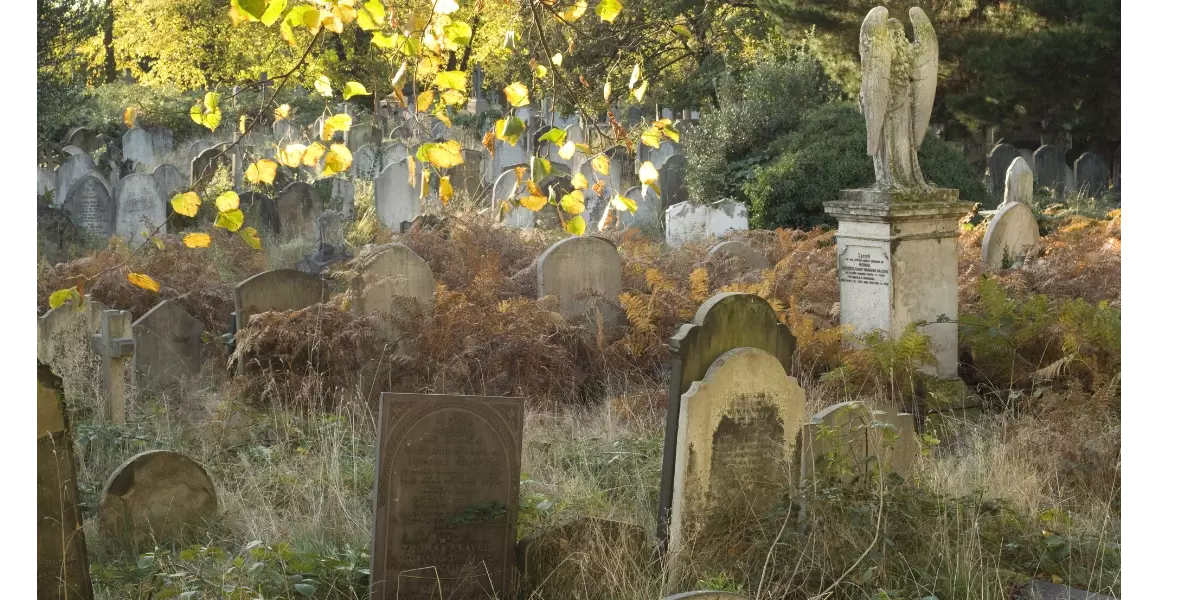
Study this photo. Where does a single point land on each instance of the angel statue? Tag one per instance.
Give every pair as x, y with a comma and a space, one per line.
899, 83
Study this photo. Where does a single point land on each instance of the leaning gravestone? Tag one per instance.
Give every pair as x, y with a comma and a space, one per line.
338, 194
62, 569
137, 147
169, 180
207, 164
90, 206
998, 161
69, 172
156, 495
584, 273
671, 177
577, 555
1092, 175
1020, 183
1049, 169
167, 346
851, 442
748, 257
1010, 237
736, 447
446, 496
395, 199
58, 239
724, 322
296, 210
141, 208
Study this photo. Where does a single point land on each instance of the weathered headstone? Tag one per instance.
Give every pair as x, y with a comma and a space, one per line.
260, 212
736, 446
58, 239
167, 346
73, 151
169, 180
365, 163
1010, 237
1049, 169
446, 496
70, 171
671, 177
851, 442
584, 273
1092, 175
1020, 183
46, 181
137, 147
296, 210
60, 329
206, 164
62, 569
508, 189
285, 132
84, 138
505, 156
199, 146
338, 195
115, 344
657, 156
277, 290
388, 272
1028, 156
395, 199
330, 244
91, 207
162, 141
749, 257
577, 555
141, 208
687, 222
724, 322
998, 161
466, 177
156, 495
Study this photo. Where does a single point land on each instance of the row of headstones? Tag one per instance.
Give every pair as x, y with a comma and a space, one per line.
1088, 175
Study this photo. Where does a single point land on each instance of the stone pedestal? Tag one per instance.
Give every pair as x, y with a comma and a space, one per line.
897, 264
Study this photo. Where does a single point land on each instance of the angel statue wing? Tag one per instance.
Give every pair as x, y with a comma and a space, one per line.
875, 57
924, 72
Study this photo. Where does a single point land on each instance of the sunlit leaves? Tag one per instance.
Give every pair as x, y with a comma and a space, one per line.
337, 160
509, 130
382, 40
647, 173
323, 86
635, 77
230, 220
352, 89
533, 202
442, 115
555, 135
539, 168
129, 117
345, 12
196, 240
579, 182
517, 94
333, 124
576, 225
312, 155
623, 203
445, 189
61, 297
607, 90
254, 8
573, 203
397, 82
251, 237
573, 13
639, 92
489, 142
274, 10
567, 151
446, 7
442, 155
262, 171
557, 59
540, 71
608, 9
423, 101
291, 154
458, 33
282, 112
143, 281
227, 201
186, 204
682, 31
601, 164
652, 137
333, 22
207, 113
371, 15
451, 80
599, 187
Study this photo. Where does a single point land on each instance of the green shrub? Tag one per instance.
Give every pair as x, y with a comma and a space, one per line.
828, 153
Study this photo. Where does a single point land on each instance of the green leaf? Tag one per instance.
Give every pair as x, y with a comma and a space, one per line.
251, 237
451, 80
539, 168
63, 296
444, 155
608, 9
575, 226
230, 220
382, 40
195, 114
295, 16
682, 31
651, 137
305, 589
371, 15
211, 101
274, 10
254, 8
212, 119
458, 33
352, 89
510, 130
624, 203
557, 136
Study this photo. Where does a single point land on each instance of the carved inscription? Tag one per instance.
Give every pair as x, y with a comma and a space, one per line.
747, 455
92, 216
864, 264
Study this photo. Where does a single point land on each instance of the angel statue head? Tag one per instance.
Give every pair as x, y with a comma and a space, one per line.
899, 83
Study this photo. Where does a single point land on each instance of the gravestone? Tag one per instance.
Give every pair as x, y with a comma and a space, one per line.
648, 212
162, 141
395, 199
998, 162
446, 496
169, 180
296, 210
365, 163
167, 346
724, 322
63, 572
330, 244
1049, 169
1028, 156
84, 138
137, 147
505, 156
1011, 235
689, 222
1092, 175
199, 146
736, 447
1069, 180
46, 181
206, 165
466, 177
58, 239
277, 290
285, 132
748, 257
847, 441
141, 208
115, 345
577, 555
671, 177
70, 171
388, 272
507, 189
584, 273
338, 195
657, 156
156, 495
73, 151
1020, 183
90, 207
260, 211
59, 328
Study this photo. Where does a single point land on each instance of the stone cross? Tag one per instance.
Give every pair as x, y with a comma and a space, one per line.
115, 344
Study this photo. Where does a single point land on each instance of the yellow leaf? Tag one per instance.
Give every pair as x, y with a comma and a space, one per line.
598, 187
312, 155
518, 174
445, 189
517, 94
624, 203
579, 182
333, 124
333, 23
411, 171
451, 80
345, 13
251, 237
398, 76
607, 90
338, 159
197, 240
567, 151
540, 71
291, 154
61, 297
601, 164
186, 204
636, 76
282, 112
443, 155
424, 100
608, 10
442, 115
490, 143
446, 7
572, 14
226, 202
143, 281
640, 91
573, 202
324, 86
557, 59
672, 133
453, 97
352, 89
262, 171
230, 220
534, 203
129, 116
648, 174
651, 137
576, 225
241, 123
533, 188
426, 183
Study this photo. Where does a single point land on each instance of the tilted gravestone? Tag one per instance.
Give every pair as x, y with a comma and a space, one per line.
59, 329
446, 496
137, 147
671, 178
507, 189
724, 322
63, 572
1028, 156
58, 239
736, 449
1049, 169
748, 256
170, 180
1011, 235
577, 555
396, 199
167, 346
296, 210
46, 181
141, 208
1092, 175
91, 207
1020, 183
998, 161
156, 495
338, 195
585, 274
69, 172
851, 442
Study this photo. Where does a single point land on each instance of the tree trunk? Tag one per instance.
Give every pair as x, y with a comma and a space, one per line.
109, 42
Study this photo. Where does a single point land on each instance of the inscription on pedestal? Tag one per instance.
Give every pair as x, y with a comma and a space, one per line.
864, 265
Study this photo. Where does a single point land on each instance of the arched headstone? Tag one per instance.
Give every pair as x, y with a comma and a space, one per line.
296, 210
69, 172
155, 495
169, 180
137, 147
338, 195
1092, 175
1020, 183
750, 258
91, 207
507, 189
84, 138
207, 163
583, 272
998, 161
162, 141
141, 208
395, 199
1049, 168
1010, 236
277, 290
671, 178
